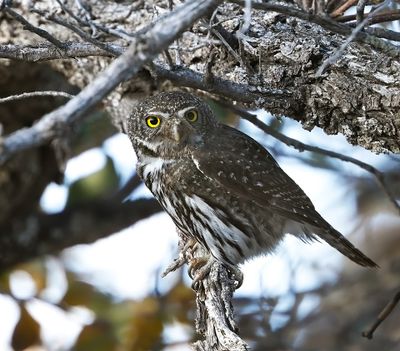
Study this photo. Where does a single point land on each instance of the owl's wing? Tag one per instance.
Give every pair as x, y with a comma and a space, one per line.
243, 167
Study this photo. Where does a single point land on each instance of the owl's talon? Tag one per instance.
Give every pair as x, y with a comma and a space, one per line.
199, 268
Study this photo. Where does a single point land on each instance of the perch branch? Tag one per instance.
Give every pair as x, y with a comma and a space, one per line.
214, 293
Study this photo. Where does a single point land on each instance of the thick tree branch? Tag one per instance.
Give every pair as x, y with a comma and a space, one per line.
329, 24
44, 234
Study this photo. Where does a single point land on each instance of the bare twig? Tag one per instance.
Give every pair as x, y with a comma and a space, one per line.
383, 33
387, 16
28, 26
85, 36
93, 25
333, 58
35, 94
141, 51
387, 310
128, 188
379, 176
246, 18
229, 48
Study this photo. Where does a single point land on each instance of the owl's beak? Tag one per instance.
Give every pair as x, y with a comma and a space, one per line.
180, 130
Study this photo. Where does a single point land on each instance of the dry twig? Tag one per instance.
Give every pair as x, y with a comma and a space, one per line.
36, 94
333, 58
387, 310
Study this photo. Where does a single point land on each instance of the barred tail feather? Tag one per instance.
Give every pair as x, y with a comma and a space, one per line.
340, 243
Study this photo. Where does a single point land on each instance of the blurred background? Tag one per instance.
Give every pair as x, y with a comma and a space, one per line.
109, 295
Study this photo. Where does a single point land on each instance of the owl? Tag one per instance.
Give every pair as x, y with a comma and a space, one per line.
219, 186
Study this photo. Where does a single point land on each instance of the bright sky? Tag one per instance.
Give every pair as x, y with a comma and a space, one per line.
127, 264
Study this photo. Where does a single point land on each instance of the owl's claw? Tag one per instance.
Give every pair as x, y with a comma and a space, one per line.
199, 268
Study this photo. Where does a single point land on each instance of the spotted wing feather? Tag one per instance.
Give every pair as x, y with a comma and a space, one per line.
245, 168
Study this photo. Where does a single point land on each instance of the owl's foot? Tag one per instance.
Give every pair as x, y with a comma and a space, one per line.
199, 268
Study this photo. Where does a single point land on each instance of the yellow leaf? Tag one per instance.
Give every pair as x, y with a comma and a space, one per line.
98, 336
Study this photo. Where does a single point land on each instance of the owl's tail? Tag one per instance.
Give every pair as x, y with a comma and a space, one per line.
340, 243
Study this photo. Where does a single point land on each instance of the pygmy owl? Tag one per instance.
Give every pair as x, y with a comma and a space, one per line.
220, 186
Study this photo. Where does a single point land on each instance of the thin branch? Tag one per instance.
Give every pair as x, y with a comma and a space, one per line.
93, 25
239, 92
128, 188
387, 16
35, 94
342, 8
379, 176
339, 52
142, 50
85, 36
387, 310
28, 26
383, 33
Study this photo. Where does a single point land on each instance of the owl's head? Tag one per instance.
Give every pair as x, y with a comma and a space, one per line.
169, 122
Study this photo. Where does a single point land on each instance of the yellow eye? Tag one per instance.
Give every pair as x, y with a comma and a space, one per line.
192, 115
153, 121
